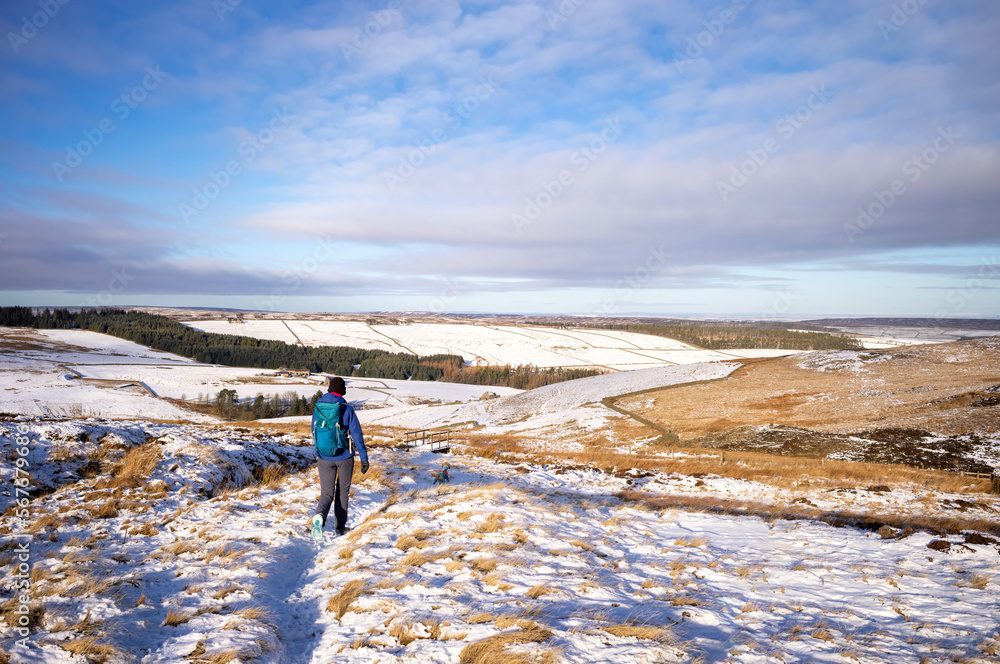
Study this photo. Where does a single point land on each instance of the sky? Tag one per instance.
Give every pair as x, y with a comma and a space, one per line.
761, 159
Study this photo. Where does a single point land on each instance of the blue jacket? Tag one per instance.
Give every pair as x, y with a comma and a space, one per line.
349, 419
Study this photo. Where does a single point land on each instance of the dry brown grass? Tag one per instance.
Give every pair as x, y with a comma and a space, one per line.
145, 528
690, 541
778, 392
492, 524
106, 510
491, 650
483, 565
256, 614
865, 520
180, 547
273, 475
12, 619
418, 558
176, 617
340, 603
136, 466
91, 647
977, 581
538, 590
227, 552
640, 632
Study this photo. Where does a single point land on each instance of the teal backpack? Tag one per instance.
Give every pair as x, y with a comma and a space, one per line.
329, 436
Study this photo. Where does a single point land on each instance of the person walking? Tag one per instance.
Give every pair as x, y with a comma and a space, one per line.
336, 468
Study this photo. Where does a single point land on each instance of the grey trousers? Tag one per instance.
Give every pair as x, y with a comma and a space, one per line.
335, 489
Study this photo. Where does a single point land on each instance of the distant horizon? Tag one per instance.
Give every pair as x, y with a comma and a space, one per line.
717, 316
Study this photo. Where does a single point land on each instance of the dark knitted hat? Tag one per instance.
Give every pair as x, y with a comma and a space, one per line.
337, 385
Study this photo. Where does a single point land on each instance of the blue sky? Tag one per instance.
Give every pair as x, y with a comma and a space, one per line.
748, 158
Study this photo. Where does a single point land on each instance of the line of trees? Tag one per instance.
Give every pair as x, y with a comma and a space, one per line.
227, 405
722, 336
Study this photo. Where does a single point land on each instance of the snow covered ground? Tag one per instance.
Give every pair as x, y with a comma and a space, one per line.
36, 376
491, 344
81, 373
199, 553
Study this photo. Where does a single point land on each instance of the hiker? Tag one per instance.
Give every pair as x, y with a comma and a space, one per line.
335, 470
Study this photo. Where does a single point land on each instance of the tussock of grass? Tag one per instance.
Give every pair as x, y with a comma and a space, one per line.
273, 475
146, 529
85, 585
496, 581
106, 510
90, 646
491, 650
407, 542
481, 618
492, 524
541, 589
419, 558
257, 614
175, 617
136, 466
180, 547
640, 632
977, 581
483, 565
227, 552
690, 541
340, 603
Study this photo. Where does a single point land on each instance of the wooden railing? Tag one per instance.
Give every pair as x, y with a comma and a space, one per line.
438, 440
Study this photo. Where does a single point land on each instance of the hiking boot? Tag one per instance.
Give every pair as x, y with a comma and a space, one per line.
317, 527
342, 531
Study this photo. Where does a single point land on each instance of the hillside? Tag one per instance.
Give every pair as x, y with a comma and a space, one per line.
935, 406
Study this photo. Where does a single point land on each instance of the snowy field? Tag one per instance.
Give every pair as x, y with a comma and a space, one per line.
80, 373
36, 376
174, 562
491, 344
